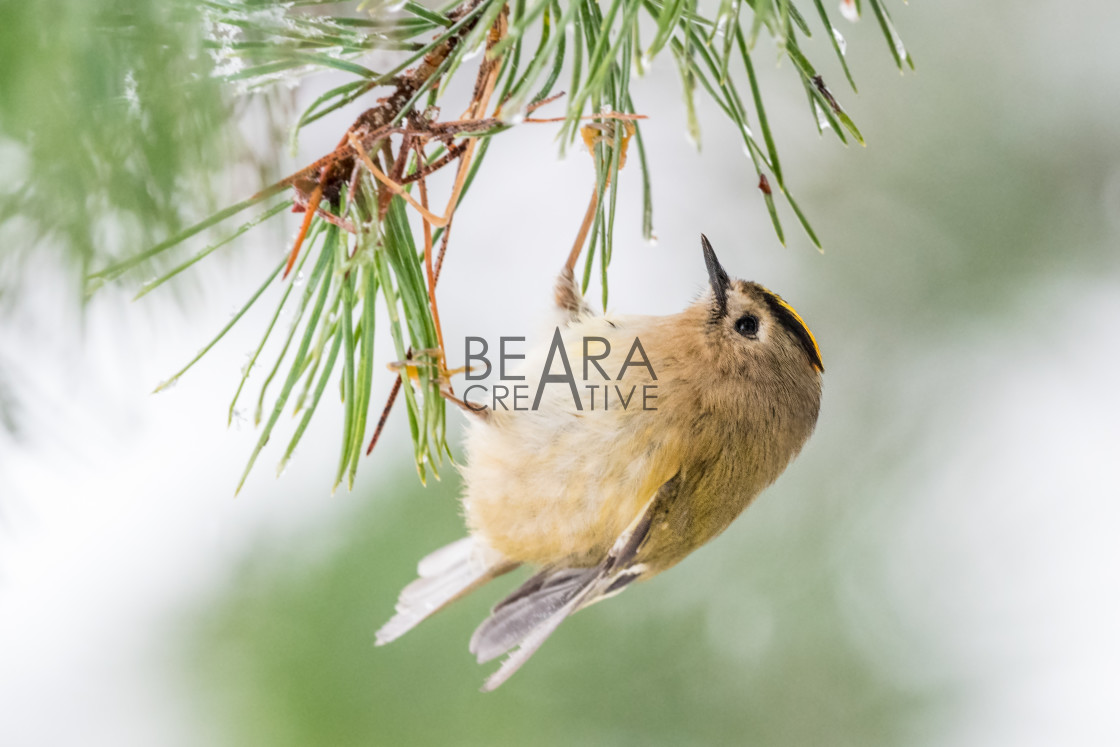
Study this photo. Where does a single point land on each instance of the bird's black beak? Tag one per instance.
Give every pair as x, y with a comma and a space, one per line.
718, 279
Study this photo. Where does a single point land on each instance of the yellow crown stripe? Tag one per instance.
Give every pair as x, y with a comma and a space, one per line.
804, 327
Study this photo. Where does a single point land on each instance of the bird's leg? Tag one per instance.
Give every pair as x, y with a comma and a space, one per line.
410, 367
445, 373
441, 355
569, 297
480, 411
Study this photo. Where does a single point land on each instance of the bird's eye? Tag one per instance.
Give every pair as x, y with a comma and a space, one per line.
747, 325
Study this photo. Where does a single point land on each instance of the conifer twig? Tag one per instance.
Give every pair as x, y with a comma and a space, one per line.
355, 235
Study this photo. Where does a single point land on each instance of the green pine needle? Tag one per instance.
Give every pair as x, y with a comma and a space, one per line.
368, 254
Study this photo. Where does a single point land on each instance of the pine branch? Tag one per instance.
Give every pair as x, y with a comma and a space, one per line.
356, 239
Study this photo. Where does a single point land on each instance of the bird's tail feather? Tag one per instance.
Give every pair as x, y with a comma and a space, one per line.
447, 574
528, 616
538, 599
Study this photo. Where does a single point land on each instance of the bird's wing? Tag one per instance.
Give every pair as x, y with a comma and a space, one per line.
528, 616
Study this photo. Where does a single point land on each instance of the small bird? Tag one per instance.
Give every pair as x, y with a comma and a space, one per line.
597, 495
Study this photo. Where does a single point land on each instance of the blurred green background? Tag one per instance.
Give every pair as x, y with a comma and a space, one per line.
938, 567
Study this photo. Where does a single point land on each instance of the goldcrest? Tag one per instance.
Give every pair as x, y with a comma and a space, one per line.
597, 498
